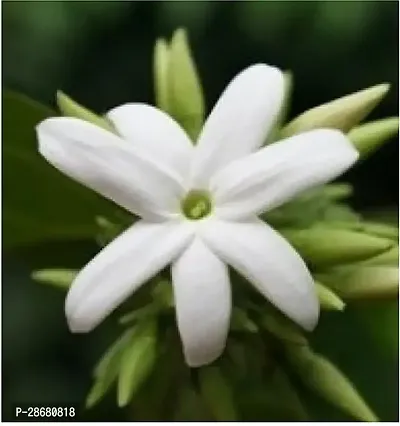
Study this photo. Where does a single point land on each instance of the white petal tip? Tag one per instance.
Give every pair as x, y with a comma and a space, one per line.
78, 325
310, 321
201, 361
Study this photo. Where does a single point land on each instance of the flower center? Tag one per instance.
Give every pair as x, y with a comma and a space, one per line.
196, 205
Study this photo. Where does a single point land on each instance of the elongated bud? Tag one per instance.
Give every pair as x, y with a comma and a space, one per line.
389, 258
240, 321
336, 191
282, 328
160, 71
106, 371
343, 113
284, 396
363, 282
137, 362
370, 136
61, 278
378, 229
321, 376
328, 299
216, 393
322, 246
70, 108
185, 100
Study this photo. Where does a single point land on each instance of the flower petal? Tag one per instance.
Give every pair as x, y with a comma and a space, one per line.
203, 303
121, 268
273, 175
240, 121
268, 261
112, 167
153, 130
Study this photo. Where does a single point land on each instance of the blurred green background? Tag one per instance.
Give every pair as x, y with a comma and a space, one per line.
100, 53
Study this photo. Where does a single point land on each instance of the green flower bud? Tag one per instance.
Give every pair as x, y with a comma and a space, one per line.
363, 282
160, 71
147, 311
370, 136
284, 396
372, 228
335, 191
107, 369
282, 328
70, 108
390, 257
185, 94
162, 294
61, 278
321, 246
343, 113
216, 393
328, 299
137, 361
321, 376
240, 321
189, 406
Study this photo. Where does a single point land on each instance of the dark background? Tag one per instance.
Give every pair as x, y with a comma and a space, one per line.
100, 53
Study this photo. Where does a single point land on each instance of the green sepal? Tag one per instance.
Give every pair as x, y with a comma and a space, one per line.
368, 137
186, 99
137, 361
68, 107
325, 379
363, 282
343, 113
328, 299
282, 327
323, 245
216, 393
160, 72
106, 371
61, 278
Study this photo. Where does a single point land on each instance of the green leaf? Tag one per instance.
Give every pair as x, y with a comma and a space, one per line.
343, 113
328, 299
363, 282
106, 371
40, 204
186, 100
322, 246
70, 108
216, 393
61, 278
368, 137
160, 72
137, 361
321, 376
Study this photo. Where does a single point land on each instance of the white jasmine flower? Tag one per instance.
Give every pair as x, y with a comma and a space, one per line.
198, 206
